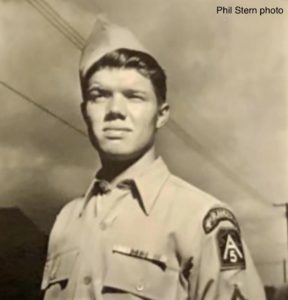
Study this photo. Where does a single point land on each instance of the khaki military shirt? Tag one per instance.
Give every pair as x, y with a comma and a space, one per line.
153, 237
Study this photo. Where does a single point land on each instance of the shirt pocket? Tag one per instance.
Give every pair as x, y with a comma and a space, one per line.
145, 275
58, 269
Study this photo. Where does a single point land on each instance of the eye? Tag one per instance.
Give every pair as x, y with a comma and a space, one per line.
134, 96
97, 95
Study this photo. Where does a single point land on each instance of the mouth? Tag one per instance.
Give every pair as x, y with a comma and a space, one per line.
116, 129
116, 133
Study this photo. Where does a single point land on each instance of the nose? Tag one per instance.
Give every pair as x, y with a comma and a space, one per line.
117, 106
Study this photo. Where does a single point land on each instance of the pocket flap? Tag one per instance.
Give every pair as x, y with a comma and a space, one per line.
58, 268
140, 274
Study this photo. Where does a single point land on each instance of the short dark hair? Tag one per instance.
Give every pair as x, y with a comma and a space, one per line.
124, 58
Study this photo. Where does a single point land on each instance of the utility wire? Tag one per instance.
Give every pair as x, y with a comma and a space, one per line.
58, 18
173, 125
60, 27
44, 109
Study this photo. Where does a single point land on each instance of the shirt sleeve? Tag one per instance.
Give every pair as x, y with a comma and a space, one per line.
226, 270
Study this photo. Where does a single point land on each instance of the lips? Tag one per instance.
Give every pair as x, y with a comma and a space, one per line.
116, 133
116, 129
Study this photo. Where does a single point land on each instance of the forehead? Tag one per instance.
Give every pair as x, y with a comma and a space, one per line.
120, 78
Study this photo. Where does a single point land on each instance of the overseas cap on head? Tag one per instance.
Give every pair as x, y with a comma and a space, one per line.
106, 37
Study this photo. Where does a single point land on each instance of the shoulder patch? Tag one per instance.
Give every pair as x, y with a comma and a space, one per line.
230, 249
215, 216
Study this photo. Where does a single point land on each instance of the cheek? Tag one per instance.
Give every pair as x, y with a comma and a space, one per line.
150, 123
95, 116
145, 118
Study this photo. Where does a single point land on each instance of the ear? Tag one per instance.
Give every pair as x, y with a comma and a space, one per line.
163, 115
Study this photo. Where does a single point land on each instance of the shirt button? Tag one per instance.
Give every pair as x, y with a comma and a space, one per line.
140, 287
87, 280
103, 226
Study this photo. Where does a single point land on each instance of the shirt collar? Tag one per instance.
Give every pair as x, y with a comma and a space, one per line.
148, 183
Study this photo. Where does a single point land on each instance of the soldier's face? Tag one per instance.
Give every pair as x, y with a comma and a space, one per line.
122, 113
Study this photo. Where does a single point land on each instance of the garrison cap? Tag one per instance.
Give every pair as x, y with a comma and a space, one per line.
105, 38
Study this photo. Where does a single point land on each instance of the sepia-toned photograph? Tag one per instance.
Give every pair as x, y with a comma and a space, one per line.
143, 150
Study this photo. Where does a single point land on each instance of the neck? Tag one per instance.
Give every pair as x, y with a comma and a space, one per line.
113, 170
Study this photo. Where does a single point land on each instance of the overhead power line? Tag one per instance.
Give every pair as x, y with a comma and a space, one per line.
78, 41
58, 18
58, 22
43, 108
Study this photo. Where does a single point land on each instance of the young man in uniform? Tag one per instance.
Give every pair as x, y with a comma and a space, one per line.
140, 232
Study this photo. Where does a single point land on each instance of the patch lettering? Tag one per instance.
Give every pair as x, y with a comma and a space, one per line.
230, 249
215, 216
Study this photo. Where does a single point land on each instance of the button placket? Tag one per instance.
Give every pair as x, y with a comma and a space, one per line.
112, 212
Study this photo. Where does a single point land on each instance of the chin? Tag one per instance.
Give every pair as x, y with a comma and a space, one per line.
118, 154
122, 151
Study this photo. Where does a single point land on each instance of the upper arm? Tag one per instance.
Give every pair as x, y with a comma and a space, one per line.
226, 270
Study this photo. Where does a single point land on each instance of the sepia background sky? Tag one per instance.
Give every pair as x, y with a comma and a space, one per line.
227, 86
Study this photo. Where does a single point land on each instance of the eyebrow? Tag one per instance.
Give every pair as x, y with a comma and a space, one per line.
132, 91
99, 88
